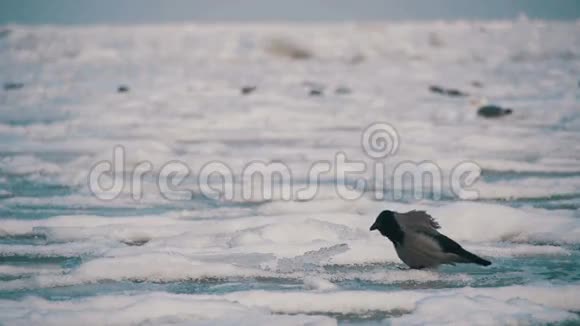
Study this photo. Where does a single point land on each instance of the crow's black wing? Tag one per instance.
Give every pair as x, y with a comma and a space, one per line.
450, 246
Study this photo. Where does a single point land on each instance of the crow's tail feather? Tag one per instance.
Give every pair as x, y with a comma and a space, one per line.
451, 246
474, 258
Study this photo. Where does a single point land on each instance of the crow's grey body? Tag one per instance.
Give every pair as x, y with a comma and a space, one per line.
418, 243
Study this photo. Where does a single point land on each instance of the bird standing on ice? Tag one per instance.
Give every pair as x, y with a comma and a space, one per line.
418, 243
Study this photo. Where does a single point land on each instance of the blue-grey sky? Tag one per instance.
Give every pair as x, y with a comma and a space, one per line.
151, 11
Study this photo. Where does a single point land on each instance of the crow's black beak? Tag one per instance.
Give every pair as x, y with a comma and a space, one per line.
373, 227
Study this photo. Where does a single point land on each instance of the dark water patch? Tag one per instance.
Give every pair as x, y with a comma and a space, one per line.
50, 156
28, 260
19, 208
556, 206
522, 270
12, 86
8, 278
570, 201
23, 186
559, 269
202, 286
23, 239
451, 92
31, 262
18, 115
406, 285
33, 212
65, 293
135, 243
548, 198
4, 33
235, 285
569, 322
566, 201
374, 317
58, 157
491, 175
23, 122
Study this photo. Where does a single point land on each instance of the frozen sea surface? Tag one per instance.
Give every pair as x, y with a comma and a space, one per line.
67, 257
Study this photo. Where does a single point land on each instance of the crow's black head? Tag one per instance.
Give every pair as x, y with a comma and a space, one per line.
388, 226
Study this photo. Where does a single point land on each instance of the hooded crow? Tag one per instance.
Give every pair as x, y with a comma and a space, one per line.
418, 243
